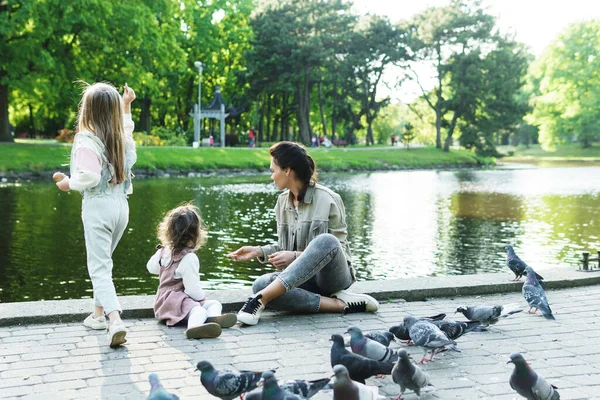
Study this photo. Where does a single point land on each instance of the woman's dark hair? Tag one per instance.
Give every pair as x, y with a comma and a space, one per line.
292, 155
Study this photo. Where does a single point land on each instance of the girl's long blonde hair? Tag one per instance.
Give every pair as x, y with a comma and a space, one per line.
101, 113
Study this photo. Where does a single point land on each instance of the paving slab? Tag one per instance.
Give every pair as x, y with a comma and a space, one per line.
63, 360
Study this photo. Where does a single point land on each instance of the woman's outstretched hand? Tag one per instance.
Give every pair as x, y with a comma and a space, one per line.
245, 253
282, 259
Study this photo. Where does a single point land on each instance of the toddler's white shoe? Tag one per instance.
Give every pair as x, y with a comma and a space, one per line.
116, 334
98, 323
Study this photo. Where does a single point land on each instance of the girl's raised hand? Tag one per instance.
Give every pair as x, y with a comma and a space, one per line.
128, 94
245, 253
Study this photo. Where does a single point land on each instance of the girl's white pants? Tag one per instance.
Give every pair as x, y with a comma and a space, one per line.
105, 218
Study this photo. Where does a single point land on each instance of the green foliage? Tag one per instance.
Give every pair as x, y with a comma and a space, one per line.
567, 100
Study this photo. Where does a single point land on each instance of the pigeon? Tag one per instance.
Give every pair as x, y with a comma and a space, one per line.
385, 338
487, 315
516, 265
408, 375
226, 384
369, 348
305, 389
345, 388
400, 330
359, 367
428, 336
527, 383
272, 390
455, 329
157, 391
535, 295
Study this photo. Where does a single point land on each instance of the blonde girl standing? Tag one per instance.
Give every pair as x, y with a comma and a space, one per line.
102, 156
179, 296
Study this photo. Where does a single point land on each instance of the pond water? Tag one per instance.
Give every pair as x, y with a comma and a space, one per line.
400, 223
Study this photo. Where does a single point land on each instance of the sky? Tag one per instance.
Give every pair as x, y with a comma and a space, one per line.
534, 22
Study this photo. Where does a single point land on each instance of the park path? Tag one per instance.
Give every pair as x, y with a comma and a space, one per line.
68, 361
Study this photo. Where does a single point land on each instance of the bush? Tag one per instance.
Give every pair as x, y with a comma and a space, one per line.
160, 137
65, 135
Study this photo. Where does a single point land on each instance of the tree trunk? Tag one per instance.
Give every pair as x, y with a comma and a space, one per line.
261, 120
303, 110
145, 120
285, 134
31, 122
438, 104
370, 139
448, 140
268, 118
5, 135
322, 109
334, 111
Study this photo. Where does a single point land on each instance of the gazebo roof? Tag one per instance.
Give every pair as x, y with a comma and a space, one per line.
215, 104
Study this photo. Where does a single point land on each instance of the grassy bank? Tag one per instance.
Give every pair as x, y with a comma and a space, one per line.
31, 157
566, 152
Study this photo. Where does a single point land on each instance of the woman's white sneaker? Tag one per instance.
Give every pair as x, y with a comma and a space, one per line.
98, 323
356, 302
251, 311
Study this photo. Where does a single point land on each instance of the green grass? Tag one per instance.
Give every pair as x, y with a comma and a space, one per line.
566, 152
32, 157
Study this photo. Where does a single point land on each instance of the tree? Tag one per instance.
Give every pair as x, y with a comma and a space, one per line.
566, 106
408, 134
441, 34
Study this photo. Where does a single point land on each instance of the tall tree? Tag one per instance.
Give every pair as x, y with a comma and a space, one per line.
567, 103
442, 33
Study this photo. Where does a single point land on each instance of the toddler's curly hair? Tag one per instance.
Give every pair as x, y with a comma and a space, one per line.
181, 228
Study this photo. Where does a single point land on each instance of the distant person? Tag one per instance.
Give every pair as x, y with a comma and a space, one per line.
102, 156
12, 130
314, 141
251, 137
312, 255
211, 141
394, 140
179, 296
326, 142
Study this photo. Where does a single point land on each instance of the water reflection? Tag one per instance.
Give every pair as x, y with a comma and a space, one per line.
401, 224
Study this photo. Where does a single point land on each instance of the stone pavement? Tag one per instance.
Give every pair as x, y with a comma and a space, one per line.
66, 360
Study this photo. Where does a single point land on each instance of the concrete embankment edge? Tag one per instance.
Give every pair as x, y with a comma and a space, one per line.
409, 289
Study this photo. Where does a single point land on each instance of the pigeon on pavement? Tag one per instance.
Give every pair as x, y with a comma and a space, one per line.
455, 329
359, 367
408, 375
535, 295
400, 330
346, 389
516, 265
525, 381
272, 391
428, 336
227, 384
487, 315
157, 391
385, 338
369, 348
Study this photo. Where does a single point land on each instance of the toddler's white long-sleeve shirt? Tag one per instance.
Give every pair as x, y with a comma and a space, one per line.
188, 270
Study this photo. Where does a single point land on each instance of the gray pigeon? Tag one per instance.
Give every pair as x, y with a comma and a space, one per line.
345, 388
359, 367
487, 315
272, 391
516, 265
455, 329
527, 383
535, 295
369, 348
408, 375
400, 330
157, 391
428, 336
303, 388
385, 338
226, 384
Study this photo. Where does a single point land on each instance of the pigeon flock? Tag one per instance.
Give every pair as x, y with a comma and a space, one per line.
370, 355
